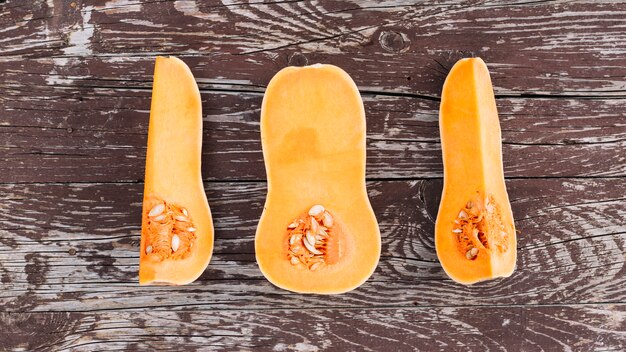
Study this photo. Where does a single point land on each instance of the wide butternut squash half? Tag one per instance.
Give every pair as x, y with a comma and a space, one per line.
474, 233
177, 229
317, 233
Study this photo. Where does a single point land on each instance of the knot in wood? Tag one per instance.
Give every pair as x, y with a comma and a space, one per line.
298, 59
393, 42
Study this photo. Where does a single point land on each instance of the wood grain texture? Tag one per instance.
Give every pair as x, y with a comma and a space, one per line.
86, 83
75, 86
559, 47
93, 96
104, 131
576, 328
73, 247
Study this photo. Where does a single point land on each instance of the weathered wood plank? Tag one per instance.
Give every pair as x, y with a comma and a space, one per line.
74, 247
75, 83
545, 47
84, 74
47, 132
577, 328
72, 104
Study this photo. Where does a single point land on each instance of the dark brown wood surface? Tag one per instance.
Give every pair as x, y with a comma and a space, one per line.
75, 85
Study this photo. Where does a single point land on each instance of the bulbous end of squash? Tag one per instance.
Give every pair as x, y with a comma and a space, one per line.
177, 228
474, 234
318, 232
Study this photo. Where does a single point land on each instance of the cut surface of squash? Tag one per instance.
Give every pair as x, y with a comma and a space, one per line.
474, 234
318, 232
177, 228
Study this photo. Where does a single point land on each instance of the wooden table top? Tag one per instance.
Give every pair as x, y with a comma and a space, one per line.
75, 85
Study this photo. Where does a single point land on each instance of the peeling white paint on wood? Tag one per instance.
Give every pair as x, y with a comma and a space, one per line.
80, 35
190, 8
76, 95
429, 328
121, 6
585, 258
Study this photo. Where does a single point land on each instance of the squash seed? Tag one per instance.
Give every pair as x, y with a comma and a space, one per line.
175, 243
191, 229
311, 248
316, 210
310, 238
327, 219
480, 227
166, 235
156, 210
471, 253
315, 265
314, 225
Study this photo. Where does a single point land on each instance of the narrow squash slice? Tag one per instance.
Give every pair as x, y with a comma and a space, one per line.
317, 233
177, 229
474, 234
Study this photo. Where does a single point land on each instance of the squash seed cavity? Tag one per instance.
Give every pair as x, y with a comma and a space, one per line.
169, 231
479, 228
308, 236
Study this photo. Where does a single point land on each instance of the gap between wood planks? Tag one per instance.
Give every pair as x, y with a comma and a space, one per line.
365, 92
368, 179
167, 308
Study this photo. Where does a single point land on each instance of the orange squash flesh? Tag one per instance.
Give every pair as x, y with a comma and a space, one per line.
173, 178
474, 233
313, 137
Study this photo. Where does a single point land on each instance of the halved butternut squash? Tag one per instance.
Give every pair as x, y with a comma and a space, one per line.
318, 232
177, 229
474, 233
